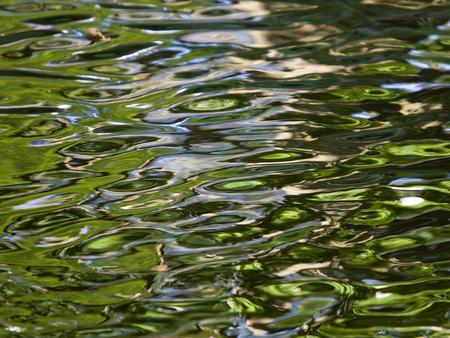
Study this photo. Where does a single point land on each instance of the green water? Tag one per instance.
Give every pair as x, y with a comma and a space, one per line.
224, 169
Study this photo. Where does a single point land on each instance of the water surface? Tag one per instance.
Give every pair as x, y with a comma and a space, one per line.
224, 169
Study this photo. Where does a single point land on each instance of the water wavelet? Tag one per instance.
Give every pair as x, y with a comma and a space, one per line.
211, 104
27, 6
120, 51
61, 43
13, 38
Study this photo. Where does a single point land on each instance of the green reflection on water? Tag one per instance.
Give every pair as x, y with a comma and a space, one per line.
224, 169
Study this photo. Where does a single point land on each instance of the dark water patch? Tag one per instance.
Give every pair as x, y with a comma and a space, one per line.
38, 6
59, 19
30, 110
16, 37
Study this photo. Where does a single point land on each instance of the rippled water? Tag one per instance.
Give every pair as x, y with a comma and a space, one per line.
224, 169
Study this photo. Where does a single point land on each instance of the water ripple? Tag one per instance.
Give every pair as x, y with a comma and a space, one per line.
224, 169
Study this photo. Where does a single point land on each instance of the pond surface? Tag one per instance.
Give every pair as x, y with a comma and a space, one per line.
224, 169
